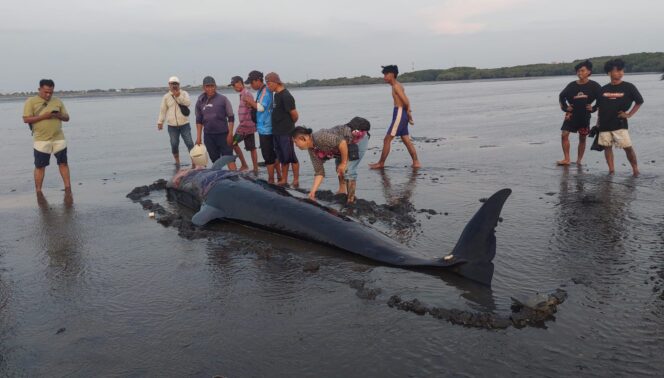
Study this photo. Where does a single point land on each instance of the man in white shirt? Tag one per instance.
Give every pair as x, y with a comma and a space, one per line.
172, 106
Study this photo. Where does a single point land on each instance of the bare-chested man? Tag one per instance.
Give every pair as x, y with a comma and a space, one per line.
401, 117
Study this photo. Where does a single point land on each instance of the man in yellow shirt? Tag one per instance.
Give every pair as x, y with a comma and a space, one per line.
45, 114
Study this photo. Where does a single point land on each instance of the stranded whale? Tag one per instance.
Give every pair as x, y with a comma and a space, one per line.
239, 198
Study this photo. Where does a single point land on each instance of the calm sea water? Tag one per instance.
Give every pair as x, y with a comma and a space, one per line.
99, 288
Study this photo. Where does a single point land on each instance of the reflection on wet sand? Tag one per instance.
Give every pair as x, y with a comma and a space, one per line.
592, 223
60, 239
399, 199
244, 259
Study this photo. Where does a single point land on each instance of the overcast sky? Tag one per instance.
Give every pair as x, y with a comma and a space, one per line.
86, 44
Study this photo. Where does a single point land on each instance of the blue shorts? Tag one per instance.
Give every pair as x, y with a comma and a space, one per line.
42, 159
216, 145
283, 146
399, 125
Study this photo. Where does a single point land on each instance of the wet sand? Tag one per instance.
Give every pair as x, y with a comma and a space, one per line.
96, 286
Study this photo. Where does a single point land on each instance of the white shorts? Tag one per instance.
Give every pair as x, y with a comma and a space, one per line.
50, 146
618, 138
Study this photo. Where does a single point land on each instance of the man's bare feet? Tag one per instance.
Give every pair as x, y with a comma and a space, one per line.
244, 168
562, 162
578, 162
270, 181
417, 164
282, 183
611, 172
636, 173
296, 184
378, 165
255, 171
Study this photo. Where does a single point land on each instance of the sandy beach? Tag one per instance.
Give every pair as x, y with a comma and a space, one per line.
96, 287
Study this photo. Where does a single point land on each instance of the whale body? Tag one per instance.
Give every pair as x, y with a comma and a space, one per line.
239, 198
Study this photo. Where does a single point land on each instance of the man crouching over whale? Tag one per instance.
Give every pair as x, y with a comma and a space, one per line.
345, 143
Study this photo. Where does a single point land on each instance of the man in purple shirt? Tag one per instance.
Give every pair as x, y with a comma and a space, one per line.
215, 113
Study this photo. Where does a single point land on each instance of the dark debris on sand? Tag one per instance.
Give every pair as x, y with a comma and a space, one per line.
364, 292
530, 312
143, 191
311, 267
398, 215
186, 229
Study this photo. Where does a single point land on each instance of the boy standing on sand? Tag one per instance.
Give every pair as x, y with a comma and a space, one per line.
401, 117
576, 101
263, 108
614, 103
247, 127
284, 116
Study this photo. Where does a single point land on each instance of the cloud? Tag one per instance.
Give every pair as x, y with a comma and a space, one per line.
464, 16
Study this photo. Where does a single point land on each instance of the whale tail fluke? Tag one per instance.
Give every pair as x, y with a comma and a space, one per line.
476, 247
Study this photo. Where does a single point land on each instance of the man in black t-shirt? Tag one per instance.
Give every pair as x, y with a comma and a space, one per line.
614, 103
284, 116
576, 101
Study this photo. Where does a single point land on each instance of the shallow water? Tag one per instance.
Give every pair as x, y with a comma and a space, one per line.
97, 287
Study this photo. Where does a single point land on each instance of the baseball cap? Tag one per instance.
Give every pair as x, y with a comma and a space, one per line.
254, 75
209, 80
173, 79
273, 77
235, 79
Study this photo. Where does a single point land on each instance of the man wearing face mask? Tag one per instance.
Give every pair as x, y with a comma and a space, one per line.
178, 123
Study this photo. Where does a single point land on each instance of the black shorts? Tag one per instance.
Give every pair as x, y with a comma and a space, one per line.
283, 146
574, 127
249, 141
267, 149
43, 159
217, 146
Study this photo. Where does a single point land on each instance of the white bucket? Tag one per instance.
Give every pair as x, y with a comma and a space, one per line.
199, 155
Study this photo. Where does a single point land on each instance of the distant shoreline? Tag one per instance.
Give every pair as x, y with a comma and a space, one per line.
224, 90
639, 63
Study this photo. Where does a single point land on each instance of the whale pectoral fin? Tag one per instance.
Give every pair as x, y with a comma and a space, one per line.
206, 214
223, 161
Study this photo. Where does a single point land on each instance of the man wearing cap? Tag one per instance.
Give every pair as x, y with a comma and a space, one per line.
284, 116
246, 125
45, 114
178, 123
215, 113
263, 107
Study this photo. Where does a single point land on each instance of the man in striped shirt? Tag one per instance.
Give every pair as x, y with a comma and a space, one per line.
246, 129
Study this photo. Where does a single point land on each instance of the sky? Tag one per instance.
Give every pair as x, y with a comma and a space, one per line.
85, 44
